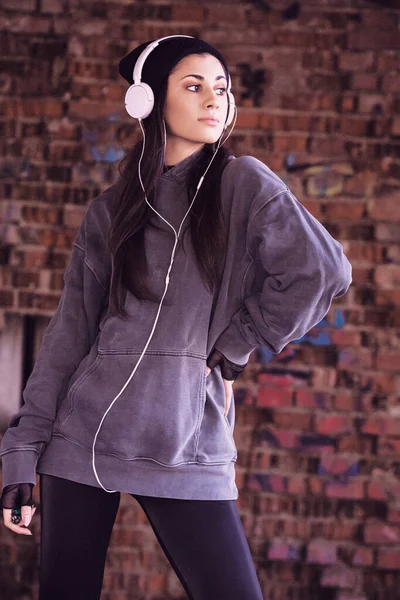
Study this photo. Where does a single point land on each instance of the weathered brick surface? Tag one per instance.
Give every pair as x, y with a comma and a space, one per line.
318, 426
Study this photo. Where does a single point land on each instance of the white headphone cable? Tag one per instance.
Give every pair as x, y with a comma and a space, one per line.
166, 279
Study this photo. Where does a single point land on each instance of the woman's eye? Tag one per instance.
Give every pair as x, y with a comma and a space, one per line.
197, 85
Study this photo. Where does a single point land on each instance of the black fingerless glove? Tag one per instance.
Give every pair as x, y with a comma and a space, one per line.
17, 495
229, 370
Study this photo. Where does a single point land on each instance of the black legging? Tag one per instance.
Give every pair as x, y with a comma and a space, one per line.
203, 540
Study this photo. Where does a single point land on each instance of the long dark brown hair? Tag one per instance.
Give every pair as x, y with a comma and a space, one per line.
130, 213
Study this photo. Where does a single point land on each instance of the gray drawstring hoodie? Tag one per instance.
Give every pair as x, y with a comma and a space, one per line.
167, 435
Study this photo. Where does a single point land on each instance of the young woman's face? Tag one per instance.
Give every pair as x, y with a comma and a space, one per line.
196, 90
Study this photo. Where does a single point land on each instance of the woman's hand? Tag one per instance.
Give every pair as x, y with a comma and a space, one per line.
229, 371
228, 391
18, 508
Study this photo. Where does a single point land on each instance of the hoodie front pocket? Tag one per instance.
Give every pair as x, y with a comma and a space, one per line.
156, 417
216, 442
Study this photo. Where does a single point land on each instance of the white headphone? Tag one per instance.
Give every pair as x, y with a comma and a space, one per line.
139, 102
139, 98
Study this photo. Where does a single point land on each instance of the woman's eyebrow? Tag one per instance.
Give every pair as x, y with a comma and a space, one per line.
201, 78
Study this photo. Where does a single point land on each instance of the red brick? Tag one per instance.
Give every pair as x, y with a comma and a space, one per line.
387, 298
48, 215
308, 398
316, 486
355, 358
281, 550
321, 552
73, 215
40, 302
363, 557
385, 207
350, 596
333, 424
365, 81
297, 486
248, 120
345, 337
339, 576
373, 38
355, 61
348, 103
355, 126
381, 425
396, 125
393, 514
387, 276
22, 6
345, 210
283, 438
390, 83
389, 558
364, 251
290, 143
355, 443
368, 101
353, 490
293, 420
52, 6
58, 239
268, 396
313, 207
25, 279
376, 532
344, 402
335, 464
388, 361
6, 298
388, 61
376, 491
361, 276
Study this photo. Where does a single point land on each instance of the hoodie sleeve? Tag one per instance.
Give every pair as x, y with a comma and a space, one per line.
300, 267
67, 340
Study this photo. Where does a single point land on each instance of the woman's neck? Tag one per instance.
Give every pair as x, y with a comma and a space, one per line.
176, 150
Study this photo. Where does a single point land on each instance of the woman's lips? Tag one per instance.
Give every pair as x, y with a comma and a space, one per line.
209, 121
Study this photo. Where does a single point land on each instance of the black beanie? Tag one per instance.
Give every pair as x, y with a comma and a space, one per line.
163, 58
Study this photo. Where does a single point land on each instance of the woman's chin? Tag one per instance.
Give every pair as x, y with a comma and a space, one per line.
210, 138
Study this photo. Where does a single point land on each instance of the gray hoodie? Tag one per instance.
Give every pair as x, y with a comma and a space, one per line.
167, 435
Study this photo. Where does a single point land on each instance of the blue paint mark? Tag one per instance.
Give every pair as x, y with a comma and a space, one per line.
321, 400
351, 471
317, 338
264, 482
264, 355
267, 436
322, 185
290, 160
293, 553
89, 136
316, 440
111, 155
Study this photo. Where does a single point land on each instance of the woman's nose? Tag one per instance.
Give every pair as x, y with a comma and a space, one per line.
212, 104
212, 100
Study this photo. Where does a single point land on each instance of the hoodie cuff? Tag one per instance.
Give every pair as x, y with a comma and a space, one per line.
19, 466
233, 345
229, 370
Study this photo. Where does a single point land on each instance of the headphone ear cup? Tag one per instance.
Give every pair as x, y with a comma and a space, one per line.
139, 100
231, 110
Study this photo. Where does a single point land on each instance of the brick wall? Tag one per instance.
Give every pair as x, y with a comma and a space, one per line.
318, 427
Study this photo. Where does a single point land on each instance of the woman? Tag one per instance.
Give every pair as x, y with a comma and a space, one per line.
132, 387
